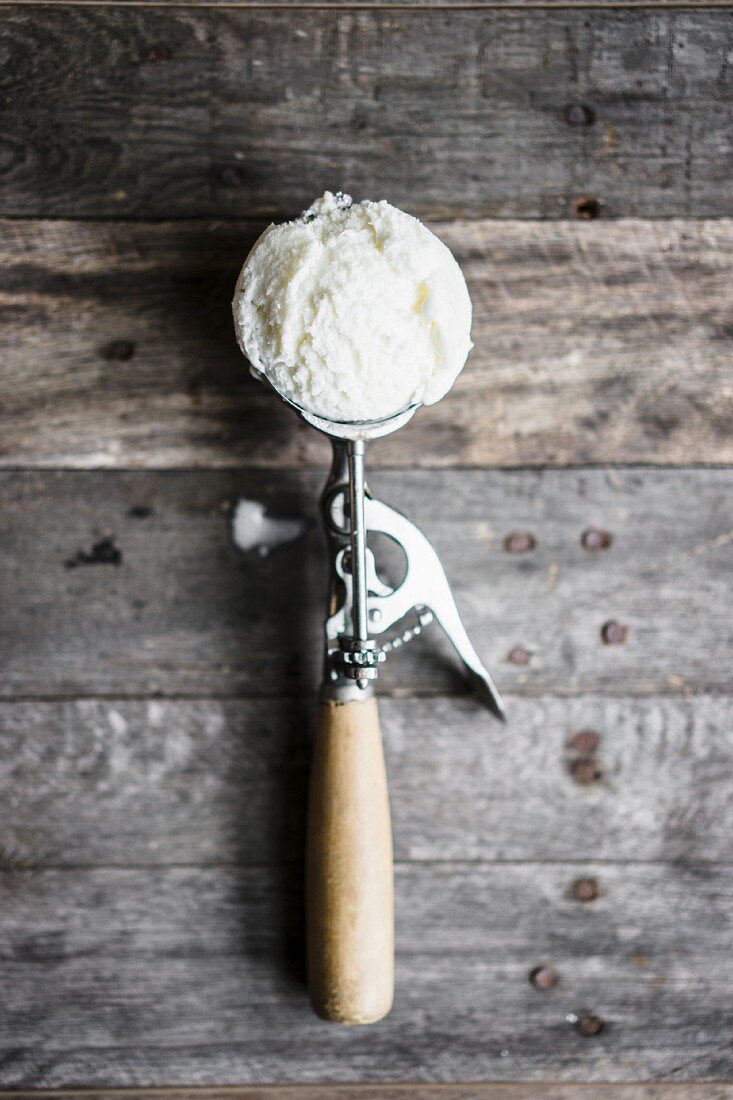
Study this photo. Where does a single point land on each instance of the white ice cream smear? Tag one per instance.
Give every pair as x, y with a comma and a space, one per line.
253, 529
354, 310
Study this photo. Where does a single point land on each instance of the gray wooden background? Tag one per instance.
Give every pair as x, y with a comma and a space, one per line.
564, 884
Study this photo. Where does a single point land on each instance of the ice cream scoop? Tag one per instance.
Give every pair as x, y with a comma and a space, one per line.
354, 311
350, 877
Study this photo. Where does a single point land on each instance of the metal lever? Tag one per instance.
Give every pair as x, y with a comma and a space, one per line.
424, 589
425, 585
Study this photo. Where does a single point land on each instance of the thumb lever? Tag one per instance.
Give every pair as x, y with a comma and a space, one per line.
425, 585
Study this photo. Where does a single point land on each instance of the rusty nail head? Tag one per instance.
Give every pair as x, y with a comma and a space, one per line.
579, 114
519, 542
585, 889
118, 351
543, 977
585, 771
159, 52
595, 539
518, 655
587, 208
229, 176
614, 632
585, 742
590, 1025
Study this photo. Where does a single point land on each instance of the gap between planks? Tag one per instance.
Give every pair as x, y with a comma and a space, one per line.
474, 1091
419, 7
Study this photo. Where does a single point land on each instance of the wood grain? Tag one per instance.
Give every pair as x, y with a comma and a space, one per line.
137, 112
184, 975
184, 612
151, 887
156, 782
349, 867
595, 342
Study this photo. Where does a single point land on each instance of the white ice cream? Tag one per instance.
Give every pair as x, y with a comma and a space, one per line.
354, 311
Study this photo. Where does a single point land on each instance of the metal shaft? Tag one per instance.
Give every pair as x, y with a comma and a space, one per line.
356, 449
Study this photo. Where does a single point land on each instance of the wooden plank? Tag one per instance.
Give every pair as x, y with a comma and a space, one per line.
595, 342
113, 782
526, 1091
191, 976
223, 112
183, 612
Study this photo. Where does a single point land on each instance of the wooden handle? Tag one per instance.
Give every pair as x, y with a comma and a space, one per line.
350, 876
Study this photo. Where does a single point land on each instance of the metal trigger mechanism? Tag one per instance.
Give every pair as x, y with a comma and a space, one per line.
362, 607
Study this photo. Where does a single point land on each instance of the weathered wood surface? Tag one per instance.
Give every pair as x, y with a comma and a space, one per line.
595, 342
191, 975
666, 1090
151, 783
184, 612
226, 113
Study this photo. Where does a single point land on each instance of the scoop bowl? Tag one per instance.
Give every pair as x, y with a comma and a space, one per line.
348, 430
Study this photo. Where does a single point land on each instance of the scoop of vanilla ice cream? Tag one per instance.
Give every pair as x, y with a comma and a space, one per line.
354, 310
